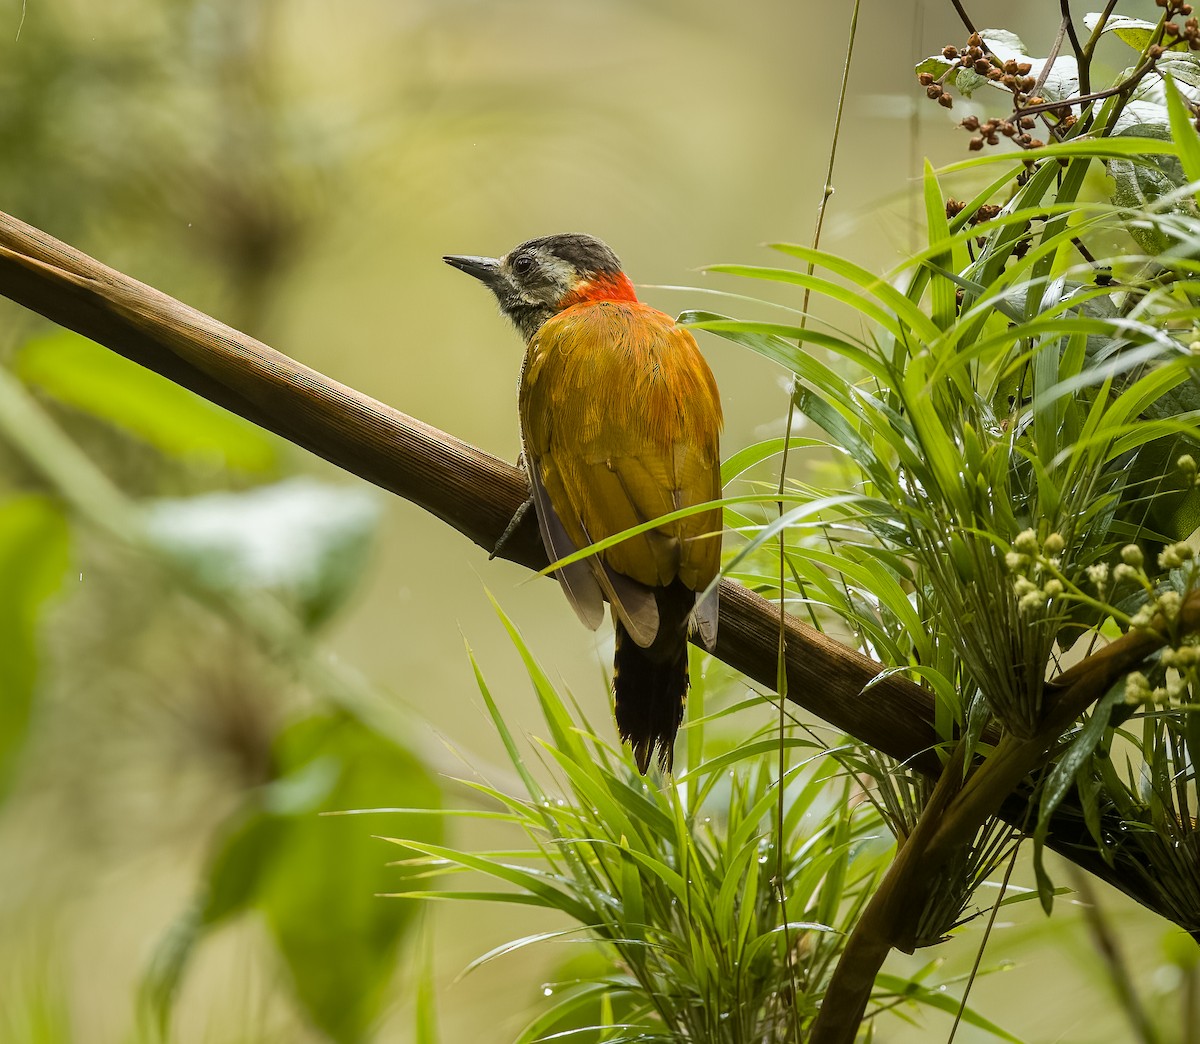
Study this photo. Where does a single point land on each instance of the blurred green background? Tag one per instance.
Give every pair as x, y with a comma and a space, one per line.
297, 170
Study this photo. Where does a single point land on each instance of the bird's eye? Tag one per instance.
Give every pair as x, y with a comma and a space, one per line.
523, 265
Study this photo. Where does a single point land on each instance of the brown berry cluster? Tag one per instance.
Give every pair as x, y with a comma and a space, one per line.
1175, 34
1012, 74
954, 207
989, 132
1189, 31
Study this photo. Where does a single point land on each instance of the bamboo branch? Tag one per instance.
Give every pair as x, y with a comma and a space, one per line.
472, 491
467, 488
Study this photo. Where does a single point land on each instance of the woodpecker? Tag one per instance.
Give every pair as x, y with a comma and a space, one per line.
620, 422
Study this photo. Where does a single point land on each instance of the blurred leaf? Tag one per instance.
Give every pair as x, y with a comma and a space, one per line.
935, 997
303, 540
426, 1013
34, 544
316, 879
81, 374
322, 897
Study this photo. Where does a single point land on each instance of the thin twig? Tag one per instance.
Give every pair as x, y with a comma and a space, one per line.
1082, 99
781, 653
1052, 57
966, 18
1068, 21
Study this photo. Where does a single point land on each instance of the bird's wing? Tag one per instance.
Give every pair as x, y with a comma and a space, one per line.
577, 580
621, 419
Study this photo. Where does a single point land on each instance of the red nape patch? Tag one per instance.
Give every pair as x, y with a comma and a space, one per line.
604, 287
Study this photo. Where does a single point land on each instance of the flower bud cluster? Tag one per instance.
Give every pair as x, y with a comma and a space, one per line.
1187, 467
1174, 556
1036, 570
1179, 679
1167, 604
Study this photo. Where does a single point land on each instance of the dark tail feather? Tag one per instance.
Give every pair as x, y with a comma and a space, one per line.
650, 685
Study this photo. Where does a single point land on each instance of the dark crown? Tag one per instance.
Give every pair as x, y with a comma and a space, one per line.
587, 254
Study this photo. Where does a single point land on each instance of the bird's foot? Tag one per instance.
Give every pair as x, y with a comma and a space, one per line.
515, 521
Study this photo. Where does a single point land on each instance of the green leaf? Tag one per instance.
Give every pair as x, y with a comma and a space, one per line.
34, 548
317, 880
943, 289
1136, 32
322, 894
1183, 131
306, 542
83, 375
1060, 780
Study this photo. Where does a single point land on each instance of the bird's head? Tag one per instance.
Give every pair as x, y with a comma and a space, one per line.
543, 276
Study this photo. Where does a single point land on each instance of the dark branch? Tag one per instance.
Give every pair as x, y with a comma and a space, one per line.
962, 14
470, 490
1069, 25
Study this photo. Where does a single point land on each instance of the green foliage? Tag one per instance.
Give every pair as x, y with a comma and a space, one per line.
678, 881
1021, 408
81, 374
34, 545
315, 879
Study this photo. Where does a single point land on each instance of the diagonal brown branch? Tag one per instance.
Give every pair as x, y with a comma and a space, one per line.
469, 489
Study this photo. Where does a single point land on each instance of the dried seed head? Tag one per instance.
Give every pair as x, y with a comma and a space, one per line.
1024, 68
982, 65
994, 73
925, 79
976, 144
974, 40
946, 102
970, 123
949, 51
933, 91
1156, 51
1028, 122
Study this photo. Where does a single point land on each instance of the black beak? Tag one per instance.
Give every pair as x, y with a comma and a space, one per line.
485, 269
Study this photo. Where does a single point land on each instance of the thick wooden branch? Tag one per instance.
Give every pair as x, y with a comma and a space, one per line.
467, 488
